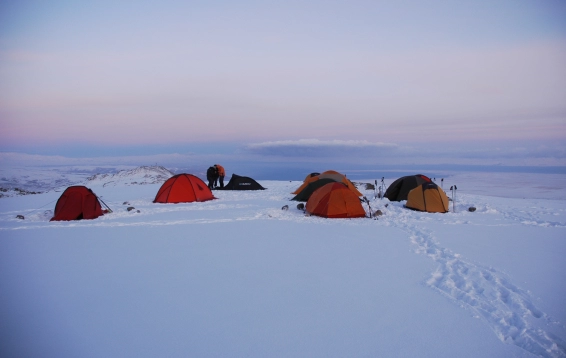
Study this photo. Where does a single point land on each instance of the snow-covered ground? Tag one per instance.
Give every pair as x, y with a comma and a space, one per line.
240, 277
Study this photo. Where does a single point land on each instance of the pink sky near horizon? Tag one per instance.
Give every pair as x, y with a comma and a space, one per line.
176, 73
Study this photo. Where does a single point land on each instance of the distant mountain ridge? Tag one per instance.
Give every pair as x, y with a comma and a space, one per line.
138, 176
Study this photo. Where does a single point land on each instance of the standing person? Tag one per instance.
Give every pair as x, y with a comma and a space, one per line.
211, 176
221, 174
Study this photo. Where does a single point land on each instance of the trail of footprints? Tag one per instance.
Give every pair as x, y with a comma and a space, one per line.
527, 218
504, 306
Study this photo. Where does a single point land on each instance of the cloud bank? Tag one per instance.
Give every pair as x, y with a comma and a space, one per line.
292, 159
318, 148
380, 153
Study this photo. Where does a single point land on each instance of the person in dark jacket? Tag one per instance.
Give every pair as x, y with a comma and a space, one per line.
211, 176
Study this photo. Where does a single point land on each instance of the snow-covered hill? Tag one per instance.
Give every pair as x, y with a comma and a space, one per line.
139, 176
25, 181
15, 191
15, 181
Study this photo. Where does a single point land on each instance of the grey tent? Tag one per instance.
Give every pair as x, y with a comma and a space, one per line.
400, 188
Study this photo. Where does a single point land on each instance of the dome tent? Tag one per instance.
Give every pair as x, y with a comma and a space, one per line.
306, 193
183, 188
242, 183
428, 197
77, 203
400, 188
335, 200
310, 176
329, 174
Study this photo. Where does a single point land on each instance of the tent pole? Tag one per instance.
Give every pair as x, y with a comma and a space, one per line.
375, 189
369, 206
107, 207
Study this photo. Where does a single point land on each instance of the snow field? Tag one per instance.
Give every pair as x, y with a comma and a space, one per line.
239, 276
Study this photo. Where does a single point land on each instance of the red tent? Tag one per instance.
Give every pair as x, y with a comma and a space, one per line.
76, 203
183, 188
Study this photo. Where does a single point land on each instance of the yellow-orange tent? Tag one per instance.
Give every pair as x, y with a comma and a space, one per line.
428, 197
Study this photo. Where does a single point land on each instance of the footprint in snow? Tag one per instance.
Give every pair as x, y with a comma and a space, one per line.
504, 306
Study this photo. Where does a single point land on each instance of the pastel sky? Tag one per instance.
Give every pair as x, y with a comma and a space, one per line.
285, 78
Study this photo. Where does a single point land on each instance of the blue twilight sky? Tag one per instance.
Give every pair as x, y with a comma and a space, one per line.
449, 81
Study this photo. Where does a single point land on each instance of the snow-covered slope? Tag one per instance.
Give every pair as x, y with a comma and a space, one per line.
46, 178
240, 277
137, 176
41, 179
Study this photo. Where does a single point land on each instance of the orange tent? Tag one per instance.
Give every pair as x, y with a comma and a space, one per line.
335, 200
183, 188
329, 174
428, 197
